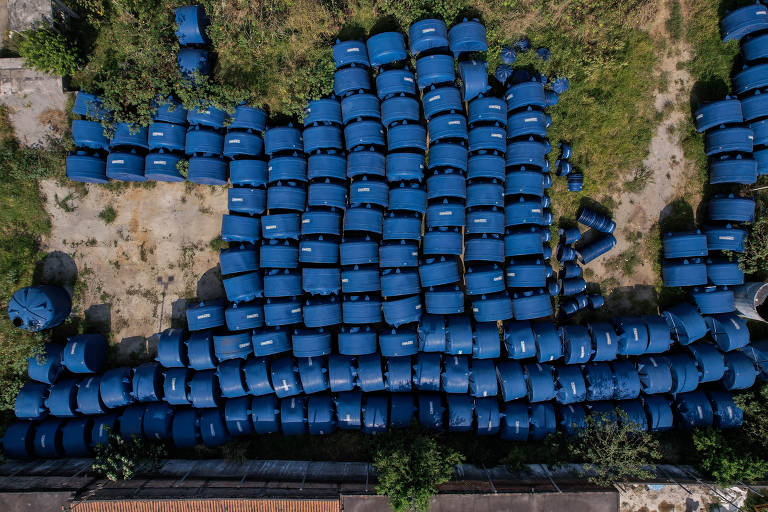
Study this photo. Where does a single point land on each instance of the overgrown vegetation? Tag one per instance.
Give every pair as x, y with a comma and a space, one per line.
615, 450
23, 220
410, 465
121, 459
724, 462
754, 260
108, 215
47, 51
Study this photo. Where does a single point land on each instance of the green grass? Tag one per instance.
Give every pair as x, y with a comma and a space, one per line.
108, 215
23, 220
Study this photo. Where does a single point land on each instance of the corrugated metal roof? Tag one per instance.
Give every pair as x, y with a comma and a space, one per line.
209, 505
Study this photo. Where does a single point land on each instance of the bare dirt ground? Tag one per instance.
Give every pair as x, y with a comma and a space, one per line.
673, 498
134, 273
665, 172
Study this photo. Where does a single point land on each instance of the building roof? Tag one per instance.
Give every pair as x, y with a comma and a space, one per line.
209, 505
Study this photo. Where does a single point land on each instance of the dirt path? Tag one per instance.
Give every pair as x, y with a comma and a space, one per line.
135, 271
662, 178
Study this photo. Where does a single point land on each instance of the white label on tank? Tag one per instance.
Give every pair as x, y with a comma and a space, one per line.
474, 310
345, 280
701, 413
101, 430
511, 274
509, 96
522, 345
347, 418
451, 123
42, 440
418, 306
72, 350
285, 385
118, 161
653, 362
751, 137
536, 210
699, 116
305, 221
234, 141
495, 107
271, 226
204, 315
431, 407
634, 331
239, 427
408, 79
498, 278
517, 426
434, 98
480, 221
90, 381
297, 310
497, 135
726, 238
730, 412
582, 352
266, 342
364, 189
735, 324
531, 119
213, 431
306, 249
446, 212
236, 200
269, 168
157, 134
607, 338
157, 436
426, 30
244, 345
760, 12
252, 315
353, 50
573, 388
160, 162
406, 343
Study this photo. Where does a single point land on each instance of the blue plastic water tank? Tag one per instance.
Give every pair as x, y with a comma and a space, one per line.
85, 353
467, 36
626, 380
525, 94
313, 373
323, 111
207, 170
204, 390
351, 79
176, 386
346, 53
367, 162
129, 136
434, 70
729, 331
684, 244
744, 21
200, 350
191, 23
213, 430
395, 81
125, 166
90, 106
158, 421
89, 134
86, 167
185, 428
18, 440
693, 410
723, 112
205, 316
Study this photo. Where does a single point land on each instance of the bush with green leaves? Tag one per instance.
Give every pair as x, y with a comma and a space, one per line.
410, 465
614, 449
47, 51
754, 260
121, 459
725, 461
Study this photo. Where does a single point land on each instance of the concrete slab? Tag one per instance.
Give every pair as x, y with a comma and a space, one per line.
23, 14
34, 501
538, 502
36, 101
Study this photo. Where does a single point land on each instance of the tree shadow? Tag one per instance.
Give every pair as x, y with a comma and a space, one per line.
56, 268
677, 216
386, 24
352, 31
595, 206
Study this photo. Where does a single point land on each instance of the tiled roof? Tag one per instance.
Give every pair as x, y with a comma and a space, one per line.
209, 505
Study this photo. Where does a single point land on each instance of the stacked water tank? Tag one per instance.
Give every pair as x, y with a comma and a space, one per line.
565, 167
440, 268
87, 163
526, 214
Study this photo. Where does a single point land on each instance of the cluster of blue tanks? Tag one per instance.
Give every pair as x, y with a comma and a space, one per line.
736, 141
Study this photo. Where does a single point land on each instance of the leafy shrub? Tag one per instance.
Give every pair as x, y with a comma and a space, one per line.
614, 449
408, 11
119, 459
47, 51
755, 258
410, 466
108, 215
133, 60
724, 462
